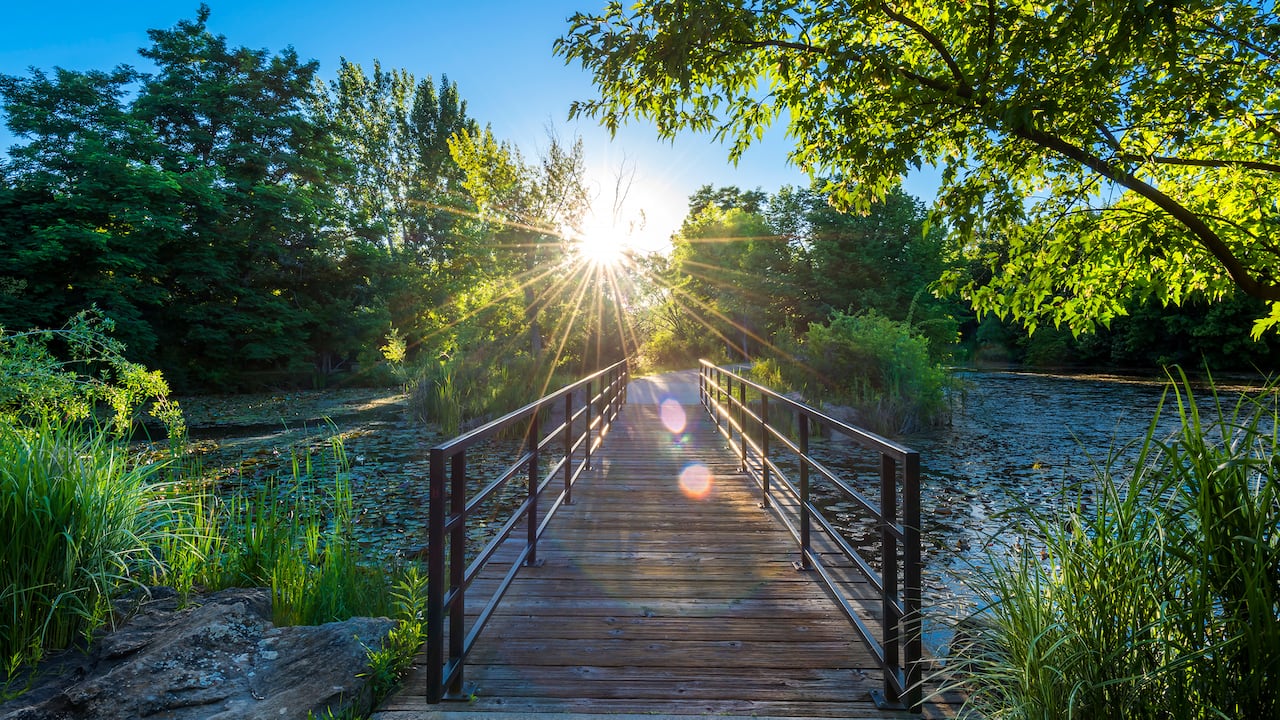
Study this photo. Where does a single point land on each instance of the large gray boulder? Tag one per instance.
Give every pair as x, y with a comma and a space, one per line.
220, 657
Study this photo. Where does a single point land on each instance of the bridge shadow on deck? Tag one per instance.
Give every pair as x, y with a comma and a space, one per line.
665, 589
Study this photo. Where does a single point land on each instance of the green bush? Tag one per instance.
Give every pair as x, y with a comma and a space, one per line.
1159, 592
666, 350
876, 365
68, 373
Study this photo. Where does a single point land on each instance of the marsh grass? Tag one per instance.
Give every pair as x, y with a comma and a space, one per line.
1158, 591
86, 522
79, 517
468, 389
291, 533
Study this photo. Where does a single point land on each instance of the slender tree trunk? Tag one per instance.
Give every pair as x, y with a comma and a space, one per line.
531, 317
531, 299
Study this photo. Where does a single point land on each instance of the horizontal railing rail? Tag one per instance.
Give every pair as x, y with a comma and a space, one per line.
580, 432
757, 438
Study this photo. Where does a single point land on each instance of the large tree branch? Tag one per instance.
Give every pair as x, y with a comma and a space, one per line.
962, 84
1203, 162
1215, 30
1203, 234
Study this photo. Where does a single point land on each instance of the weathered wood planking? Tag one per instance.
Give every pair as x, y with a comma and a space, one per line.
655, 599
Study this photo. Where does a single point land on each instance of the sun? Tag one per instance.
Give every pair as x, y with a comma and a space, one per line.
600, 249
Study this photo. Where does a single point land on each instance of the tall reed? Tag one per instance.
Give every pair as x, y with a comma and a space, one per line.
78, 517
472, 388
293, 535
1158, 592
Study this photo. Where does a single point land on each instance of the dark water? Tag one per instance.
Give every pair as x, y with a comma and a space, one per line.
1016, 440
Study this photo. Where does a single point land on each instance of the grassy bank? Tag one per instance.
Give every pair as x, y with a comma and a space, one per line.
1154, 594
91, 523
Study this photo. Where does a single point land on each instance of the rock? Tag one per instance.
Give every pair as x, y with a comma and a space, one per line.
218, 658
845, 414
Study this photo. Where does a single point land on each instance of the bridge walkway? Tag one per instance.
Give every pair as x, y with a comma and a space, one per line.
665, 590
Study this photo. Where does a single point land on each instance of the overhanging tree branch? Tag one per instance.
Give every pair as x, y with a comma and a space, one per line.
962, 84
1202, 162
1204, 234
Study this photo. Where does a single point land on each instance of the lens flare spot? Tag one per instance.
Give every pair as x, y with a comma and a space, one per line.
673, 417
695, 481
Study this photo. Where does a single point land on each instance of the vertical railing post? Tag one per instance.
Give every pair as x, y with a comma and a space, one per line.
606, 413
457, 568
722, 397
913, 568
616, 395
702, 386
435, 578
764, 450
713, 391
804, 491
591, 399
568, 448
889, 571
742, 420
532, 519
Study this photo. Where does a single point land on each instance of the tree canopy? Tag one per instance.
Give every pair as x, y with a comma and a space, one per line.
243, 223
1091, 153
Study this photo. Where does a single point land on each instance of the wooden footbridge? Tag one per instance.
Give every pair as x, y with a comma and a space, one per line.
663, 562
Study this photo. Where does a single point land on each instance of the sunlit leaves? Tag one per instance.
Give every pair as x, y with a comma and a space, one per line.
1116, 149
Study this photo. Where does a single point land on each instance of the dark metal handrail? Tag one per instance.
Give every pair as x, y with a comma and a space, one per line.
449, 508
899, 650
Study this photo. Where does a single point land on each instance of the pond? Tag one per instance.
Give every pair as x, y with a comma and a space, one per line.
1016, 440
237, 442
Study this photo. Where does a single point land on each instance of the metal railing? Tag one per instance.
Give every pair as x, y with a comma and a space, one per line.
756, 439
449, 507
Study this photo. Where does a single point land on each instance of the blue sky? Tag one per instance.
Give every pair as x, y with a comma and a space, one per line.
498, 51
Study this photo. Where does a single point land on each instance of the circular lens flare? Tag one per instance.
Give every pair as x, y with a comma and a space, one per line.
696, 481
672, 415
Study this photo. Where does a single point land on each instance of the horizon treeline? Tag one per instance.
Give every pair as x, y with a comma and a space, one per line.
750, 272
246, 225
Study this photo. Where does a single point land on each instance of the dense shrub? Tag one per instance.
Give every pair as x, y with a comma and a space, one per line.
1158, 591
874, 364
667, 350
71, 372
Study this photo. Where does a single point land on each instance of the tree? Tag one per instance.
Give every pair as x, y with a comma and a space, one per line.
884, 260
532, 209
726, 198
192, 215
239, 298
1121, 149
85, 213
394, 131
406, 247
733, 275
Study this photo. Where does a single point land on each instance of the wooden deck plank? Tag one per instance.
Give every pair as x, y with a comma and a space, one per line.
656, 600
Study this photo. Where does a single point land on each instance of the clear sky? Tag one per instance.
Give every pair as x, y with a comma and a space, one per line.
497, 51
